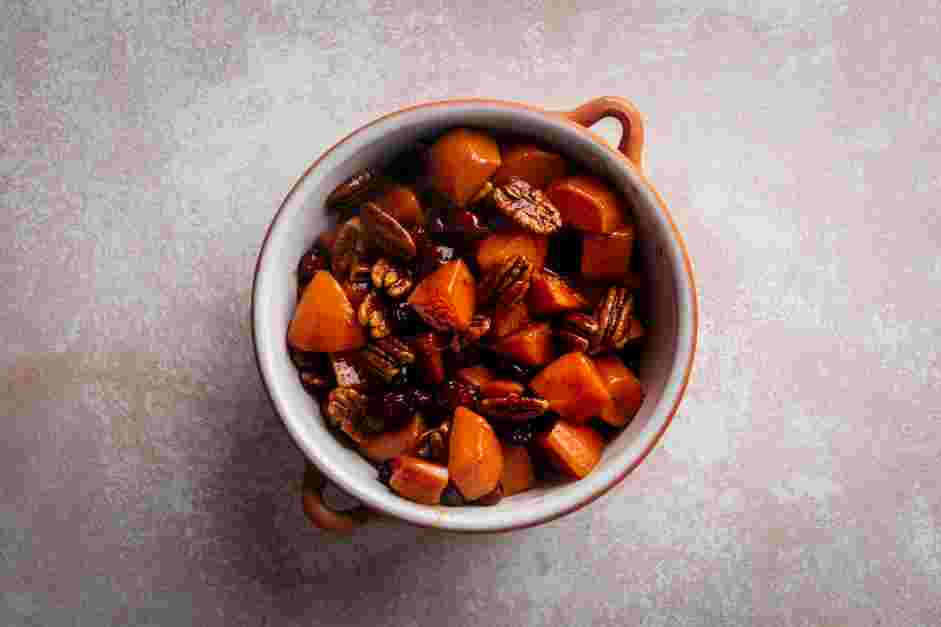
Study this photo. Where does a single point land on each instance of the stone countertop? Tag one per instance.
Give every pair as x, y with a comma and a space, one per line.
145, 479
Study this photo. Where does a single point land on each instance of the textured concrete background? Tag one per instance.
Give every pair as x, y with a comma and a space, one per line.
143, 477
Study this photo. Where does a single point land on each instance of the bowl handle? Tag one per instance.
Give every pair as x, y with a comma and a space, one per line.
320, 514
624, 111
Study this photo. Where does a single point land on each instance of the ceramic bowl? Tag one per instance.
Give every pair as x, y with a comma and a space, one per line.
670, 301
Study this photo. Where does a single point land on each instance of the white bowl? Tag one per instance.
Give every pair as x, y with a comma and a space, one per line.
671, 301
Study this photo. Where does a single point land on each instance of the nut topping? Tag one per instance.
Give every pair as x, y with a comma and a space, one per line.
372, 315
508, 283
386, 358
353, 190
388, 277
345, 404
386, 233
513, 407
528, 207
349, 248
479, 327
578, 332
614, 319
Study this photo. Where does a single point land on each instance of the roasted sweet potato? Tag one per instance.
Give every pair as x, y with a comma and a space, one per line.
461, 161
503, 245
475, 459
402, 203
627, 393
324, 320
391, 444
518, 475
475, 375
429, 356
533, 164
501, 387
417, 480
573, 387
509, 320
573, 449
531, 345
607, 256
587, 203
549, 294
446, 298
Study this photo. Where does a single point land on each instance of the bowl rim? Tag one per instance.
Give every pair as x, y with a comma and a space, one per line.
618, 475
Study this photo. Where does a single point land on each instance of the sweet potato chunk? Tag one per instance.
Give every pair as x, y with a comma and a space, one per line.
391, 444
549, 294
588, 204
324, 320
573, 387
509, 320
401, 202
573, 449
531, 345
533, 164
445, 299
607, 256
418, 480
460, 163
627, 393
518, 475
475, 375
503, 245
475, 459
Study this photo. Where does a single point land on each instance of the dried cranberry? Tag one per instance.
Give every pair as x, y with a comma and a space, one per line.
458, 360
312, 262
510, 369
435, 256
467, 225
422, 400
394, 408
452, 497
385, 472
405, 320
455, 394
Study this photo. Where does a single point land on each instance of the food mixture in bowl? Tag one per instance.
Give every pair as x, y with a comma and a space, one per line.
470, 324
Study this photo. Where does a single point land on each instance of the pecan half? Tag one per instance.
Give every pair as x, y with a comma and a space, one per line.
349, 248
395, 281
354, 189
433, 443
508, 283
345, 404
386, 358
479, 327
528, 207
372, 315
578, 332
513, 407
614, 319
386, 232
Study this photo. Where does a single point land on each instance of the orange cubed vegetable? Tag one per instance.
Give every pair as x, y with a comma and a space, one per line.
418, 480
627, 393
518, 475
461, 161
385, 446
607, 256
499, 388
509, 320
324, 320
402, 203
533, 164
475, 375
573, 387
503, 245
588, 204
531, 345
446, 298
475, 459
573, 449
549, 294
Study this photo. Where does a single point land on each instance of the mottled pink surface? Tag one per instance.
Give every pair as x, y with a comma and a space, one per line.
145, 479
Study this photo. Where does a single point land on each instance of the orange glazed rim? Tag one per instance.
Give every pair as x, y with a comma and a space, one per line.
302, 420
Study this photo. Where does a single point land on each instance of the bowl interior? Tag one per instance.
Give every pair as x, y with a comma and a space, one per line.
668, 303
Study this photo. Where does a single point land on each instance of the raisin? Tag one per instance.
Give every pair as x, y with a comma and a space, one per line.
466, 224
517, 434
422, 400
510, 369
455, 394
393, 408
405, 320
